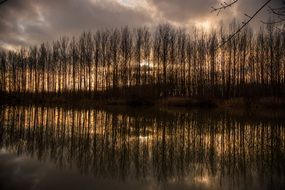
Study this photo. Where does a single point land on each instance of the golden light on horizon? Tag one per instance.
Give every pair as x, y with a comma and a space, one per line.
8, 47
146, 63
204, 25
205, 180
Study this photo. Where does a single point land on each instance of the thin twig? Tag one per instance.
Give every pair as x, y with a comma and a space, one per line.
222, 6
278, 11
245, 23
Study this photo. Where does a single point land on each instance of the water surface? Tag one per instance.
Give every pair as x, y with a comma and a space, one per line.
60, 148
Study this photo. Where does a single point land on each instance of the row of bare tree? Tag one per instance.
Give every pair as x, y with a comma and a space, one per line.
174, 61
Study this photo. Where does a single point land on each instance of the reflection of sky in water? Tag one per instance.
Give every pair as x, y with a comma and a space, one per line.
25, 173
70, 149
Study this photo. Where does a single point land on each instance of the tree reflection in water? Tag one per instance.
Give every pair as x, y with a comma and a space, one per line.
205, 148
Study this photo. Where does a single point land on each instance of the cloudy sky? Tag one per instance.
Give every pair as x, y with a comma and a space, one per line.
29, 22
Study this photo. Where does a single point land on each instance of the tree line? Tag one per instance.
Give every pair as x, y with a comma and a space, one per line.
174, 61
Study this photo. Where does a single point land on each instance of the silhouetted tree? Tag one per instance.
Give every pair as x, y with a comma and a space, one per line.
168, 62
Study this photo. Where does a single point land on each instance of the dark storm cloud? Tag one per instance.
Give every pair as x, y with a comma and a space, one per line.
11, 14
183, 10
74, 15
26, 22
29, 22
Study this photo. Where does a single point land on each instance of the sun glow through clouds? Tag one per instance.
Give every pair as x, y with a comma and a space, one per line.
132, 3
145, 63
204, 25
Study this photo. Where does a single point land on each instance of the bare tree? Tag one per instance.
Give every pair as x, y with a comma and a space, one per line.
74, 60
114, 51
3, 69
126, 53
170, 61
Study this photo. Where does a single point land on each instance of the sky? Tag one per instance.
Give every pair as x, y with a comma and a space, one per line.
26, 23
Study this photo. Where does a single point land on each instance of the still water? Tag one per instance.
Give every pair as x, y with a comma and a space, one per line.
58, 148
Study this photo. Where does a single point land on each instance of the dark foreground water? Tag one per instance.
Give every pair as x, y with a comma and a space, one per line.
57, 148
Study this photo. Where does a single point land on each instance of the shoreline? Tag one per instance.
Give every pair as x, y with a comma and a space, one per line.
270, 103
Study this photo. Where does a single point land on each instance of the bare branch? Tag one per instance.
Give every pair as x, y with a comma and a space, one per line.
280, 11
245, 23
223, 6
